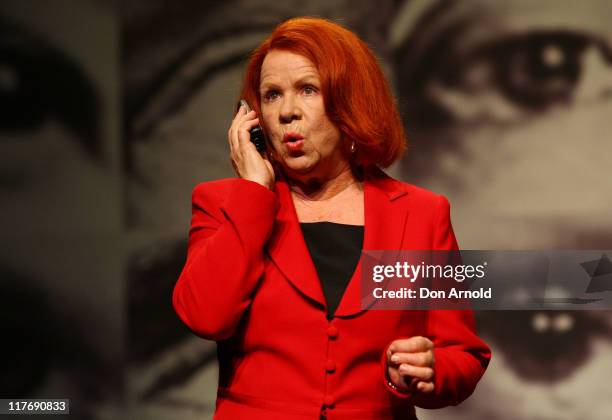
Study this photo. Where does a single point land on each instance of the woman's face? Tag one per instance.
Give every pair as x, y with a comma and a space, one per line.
305, 142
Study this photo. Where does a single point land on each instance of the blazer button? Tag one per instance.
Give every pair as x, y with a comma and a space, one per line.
332, 332
328, 400
330, 366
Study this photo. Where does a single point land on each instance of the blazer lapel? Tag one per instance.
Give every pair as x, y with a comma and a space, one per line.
288, 250
385, 223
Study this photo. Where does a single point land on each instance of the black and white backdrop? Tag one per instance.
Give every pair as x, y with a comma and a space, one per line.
113, 111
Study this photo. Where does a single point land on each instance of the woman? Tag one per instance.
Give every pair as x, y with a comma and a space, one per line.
272, 272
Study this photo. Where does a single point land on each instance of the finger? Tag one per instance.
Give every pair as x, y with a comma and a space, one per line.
232, 139
232, 136
234, 125
244, 137
411, 345
242, 115
416, 359
425, 387
402, 382
233, 132
423, 373
241, 111
251, 120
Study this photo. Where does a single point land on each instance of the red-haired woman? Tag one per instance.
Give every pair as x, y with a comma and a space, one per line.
273, 265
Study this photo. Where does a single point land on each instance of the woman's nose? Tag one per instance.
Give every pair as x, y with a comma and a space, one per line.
290, 109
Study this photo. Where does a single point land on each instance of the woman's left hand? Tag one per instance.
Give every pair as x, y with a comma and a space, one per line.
411, 363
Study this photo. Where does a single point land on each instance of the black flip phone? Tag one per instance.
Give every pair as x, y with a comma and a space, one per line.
257, 134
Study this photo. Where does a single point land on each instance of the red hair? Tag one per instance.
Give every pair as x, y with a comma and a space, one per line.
357, 97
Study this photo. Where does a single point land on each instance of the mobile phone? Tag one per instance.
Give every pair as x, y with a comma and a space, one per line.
257, 134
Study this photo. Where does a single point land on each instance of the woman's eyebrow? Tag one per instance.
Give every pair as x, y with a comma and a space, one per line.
307, 78
268, 85
310, 78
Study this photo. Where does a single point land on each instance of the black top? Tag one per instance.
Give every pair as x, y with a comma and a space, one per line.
335, 250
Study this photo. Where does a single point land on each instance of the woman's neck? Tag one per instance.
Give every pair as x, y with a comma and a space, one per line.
321, 189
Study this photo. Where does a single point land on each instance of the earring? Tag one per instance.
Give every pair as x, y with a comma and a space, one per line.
353, 148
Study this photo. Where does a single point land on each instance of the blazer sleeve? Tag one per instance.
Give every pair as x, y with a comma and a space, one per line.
461, 357
231, 223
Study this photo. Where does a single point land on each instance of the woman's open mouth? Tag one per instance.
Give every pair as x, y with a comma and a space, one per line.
293, 141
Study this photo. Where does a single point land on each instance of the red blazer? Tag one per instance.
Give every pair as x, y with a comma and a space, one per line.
249, 284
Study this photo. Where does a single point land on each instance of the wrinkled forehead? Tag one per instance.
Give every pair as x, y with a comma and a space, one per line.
281, 65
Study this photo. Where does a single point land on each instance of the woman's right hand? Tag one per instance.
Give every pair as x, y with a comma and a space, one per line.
246, 160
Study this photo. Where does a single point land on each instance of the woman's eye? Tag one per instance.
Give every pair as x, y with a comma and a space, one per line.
271, 95
310, 90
